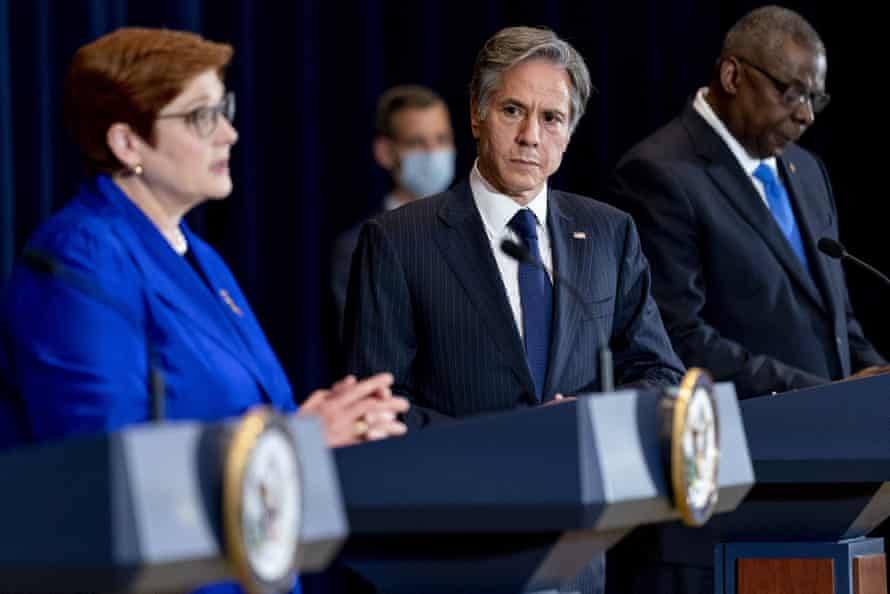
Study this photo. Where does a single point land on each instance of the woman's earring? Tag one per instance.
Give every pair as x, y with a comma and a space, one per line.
136, 169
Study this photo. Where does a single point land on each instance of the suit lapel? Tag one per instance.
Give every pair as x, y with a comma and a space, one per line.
465, 246
567, 258
238, 318
739, 191
807, 218
174, 282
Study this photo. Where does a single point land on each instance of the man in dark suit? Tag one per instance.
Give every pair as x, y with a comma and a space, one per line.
464, 328
433, 298
414, 144
729, 210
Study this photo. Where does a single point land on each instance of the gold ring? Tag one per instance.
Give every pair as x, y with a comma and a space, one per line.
360, 429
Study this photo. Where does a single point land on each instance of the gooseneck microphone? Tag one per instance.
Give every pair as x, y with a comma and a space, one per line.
836, 250
522, 255
51, 266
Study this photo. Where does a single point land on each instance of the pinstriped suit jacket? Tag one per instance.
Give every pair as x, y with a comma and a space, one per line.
426, 301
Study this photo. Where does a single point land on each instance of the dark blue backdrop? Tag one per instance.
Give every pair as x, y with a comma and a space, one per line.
307, 75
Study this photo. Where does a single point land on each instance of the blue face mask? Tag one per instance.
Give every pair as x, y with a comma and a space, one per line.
424, 173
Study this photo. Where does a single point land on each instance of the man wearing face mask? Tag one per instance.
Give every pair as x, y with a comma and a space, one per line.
414, 143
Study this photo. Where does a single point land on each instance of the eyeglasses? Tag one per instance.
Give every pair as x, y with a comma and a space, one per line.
205, 119
792, 93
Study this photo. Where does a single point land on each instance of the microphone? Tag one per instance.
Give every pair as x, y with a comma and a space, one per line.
51, 266
521, 254
836, 250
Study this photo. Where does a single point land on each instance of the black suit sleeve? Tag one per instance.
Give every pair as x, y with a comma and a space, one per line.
669, 232
378, 326
341, 258
862, 353
641, 349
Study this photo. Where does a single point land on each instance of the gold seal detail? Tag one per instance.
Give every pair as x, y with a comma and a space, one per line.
262, 503
695, 448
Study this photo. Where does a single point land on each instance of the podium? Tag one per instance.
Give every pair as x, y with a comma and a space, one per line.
518, 501
822, 462
140, 510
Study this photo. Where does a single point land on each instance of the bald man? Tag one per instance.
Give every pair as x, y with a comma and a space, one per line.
729, 210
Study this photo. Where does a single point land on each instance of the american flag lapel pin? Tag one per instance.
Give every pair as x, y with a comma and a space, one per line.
579, 235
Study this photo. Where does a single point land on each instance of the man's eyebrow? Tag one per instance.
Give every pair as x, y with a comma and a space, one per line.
514, 101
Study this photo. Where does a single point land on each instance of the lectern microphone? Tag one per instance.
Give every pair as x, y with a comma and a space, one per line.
836, 250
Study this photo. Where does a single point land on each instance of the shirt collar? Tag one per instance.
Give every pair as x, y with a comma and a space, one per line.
390, 202
498, 209
748, 163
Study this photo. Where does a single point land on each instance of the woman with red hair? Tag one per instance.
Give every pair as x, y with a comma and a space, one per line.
131, 288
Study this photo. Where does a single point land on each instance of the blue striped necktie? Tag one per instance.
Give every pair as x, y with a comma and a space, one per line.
780, 207
536, 297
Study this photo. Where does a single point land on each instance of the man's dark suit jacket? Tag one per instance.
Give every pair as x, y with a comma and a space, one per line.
426, 302
734, 297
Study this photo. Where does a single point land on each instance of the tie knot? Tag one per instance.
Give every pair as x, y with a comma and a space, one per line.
523, 224
766, 175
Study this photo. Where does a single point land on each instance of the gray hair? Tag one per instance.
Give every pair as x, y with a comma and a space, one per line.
765, 29
514, 45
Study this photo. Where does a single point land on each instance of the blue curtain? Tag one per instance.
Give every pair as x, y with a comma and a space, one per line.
307, 74
7, 183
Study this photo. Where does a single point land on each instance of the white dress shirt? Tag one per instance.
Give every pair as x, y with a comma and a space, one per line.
497, 210
390, 202
748, 163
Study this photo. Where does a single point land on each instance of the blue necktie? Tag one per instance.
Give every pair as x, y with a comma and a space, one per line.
780, 206
536, 297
